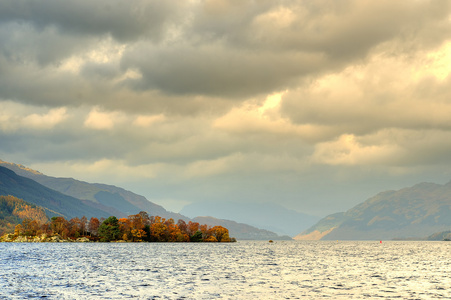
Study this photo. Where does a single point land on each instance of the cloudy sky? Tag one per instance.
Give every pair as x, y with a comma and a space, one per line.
315, 105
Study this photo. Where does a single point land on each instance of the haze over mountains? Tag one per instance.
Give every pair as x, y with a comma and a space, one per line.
413, 212
268, 216
74, 198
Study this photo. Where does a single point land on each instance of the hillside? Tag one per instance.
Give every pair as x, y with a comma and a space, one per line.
440, 236
55, 203
412, 212
14, 210
241, 231
267, 216
114, 200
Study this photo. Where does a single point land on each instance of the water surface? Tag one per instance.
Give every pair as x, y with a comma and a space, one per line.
242, 270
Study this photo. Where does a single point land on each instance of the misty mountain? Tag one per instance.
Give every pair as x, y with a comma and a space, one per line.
440, 236
413, 212
241, 231
268, 216
55, 203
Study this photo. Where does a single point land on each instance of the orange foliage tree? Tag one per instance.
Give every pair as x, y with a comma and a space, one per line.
134, 228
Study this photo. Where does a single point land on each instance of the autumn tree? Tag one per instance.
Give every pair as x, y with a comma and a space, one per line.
192, 228
84, 225
183, 228
30, 227
93, 226
158, 230
206, 233
18, 230
138, 223
75, 227
220, 233
59, 225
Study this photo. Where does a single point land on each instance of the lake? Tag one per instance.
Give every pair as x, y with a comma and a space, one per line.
242, 270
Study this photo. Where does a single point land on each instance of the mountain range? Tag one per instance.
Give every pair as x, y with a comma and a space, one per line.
422, 211
414, 212
70, 198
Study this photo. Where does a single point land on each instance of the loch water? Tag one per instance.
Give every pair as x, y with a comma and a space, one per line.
242, 270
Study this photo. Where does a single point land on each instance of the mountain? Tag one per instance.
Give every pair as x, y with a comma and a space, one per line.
440, 236
55, 203
114, 200
241, 231
267, 216
413, 212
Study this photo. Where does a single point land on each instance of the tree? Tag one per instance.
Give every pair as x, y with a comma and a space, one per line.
109, 230
192, 228
30, 227
158, 230
206, 233
220, 233
138, 222
93, 226
83, 225
196, 237
125, 227
75, 227
60, 226
18, 230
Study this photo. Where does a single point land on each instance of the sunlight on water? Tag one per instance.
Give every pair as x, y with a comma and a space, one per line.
243, 270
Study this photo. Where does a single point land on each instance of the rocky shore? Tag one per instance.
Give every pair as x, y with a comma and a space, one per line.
43, 238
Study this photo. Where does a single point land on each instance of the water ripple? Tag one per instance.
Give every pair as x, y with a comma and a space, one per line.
243, 270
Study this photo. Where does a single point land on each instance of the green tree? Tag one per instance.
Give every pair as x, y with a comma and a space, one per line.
196, 237
109, 230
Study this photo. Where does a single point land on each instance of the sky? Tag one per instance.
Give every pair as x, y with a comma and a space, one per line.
313, 105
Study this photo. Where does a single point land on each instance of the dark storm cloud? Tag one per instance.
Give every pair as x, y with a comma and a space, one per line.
221, 50
215, 71
239, 49
125, 21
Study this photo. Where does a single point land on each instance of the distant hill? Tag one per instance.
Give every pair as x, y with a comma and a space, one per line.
267, 216
241, 231
55, 203
412, 212
14, 210
114, 200
440, 236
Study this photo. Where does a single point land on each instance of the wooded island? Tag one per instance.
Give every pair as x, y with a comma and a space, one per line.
141, 227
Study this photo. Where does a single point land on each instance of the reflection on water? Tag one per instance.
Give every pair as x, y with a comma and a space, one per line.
243, 270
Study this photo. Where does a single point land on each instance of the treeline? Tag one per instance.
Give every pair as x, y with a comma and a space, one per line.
135, 228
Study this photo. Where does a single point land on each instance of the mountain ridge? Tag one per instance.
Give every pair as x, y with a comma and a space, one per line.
411, 212
37, 194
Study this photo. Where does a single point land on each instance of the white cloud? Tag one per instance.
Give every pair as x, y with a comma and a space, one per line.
14, 117
146, 121
347, 150
48, 120
101, 120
